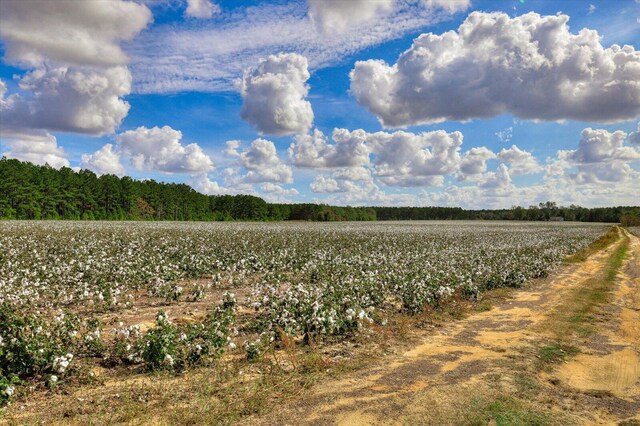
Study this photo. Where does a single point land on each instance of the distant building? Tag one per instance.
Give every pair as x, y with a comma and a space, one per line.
556, 219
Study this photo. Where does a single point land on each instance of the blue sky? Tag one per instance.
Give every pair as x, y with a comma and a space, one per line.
197, 74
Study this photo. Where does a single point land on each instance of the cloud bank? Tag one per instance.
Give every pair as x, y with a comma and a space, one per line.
530, 66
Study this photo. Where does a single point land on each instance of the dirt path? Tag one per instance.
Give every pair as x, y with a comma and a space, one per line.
490, 363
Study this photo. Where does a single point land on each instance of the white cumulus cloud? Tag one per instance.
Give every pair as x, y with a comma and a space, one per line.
105, 161
263, 164
314, 151
634, 137
354, 180
531, 66
602, 157
272, 188
160, 149
409, 159
201, 183
474, 162
521, 162
70, 99
274, 95
69, 32
38, 147
76, 68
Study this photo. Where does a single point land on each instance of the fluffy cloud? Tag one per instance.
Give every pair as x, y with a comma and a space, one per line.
274, 95
160, 149
474, 162
343, 180
521, 162
272, 188
408, 159
353, 186
324, 184
258, 164
601, 157
263, 164
581, 176
232, 148
500, 179
105, 161
201, 183
314, 151
398, 159
78, 74
598, 145
203, 9
634, 137
70, 99
37, 147
531, 66
339, 15
69, 32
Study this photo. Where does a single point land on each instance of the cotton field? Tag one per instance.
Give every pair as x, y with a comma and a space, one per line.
174, 295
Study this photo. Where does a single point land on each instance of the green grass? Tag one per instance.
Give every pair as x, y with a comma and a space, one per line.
508, 411
616, 260
556, 352
526, 385
578, 315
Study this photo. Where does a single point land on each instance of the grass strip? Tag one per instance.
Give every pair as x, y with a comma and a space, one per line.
577, 317
610, 237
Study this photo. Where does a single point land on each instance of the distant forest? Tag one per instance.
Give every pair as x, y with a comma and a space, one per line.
29, 191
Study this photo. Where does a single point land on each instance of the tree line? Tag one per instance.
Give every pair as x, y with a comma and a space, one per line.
540, 212
29, 191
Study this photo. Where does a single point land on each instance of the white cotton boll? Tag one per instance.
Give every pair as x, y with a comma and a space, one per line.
168, 359
9, 391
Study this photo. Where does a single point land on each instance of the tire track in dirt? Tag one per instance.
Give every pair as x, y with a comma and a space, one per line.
467, 357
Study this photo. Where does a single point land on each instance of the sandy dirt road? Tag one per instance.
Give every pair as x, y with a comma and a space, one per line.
490, 362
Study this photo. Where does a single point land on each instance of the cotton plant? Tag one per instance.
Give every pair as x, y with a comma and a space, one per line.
308, 280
